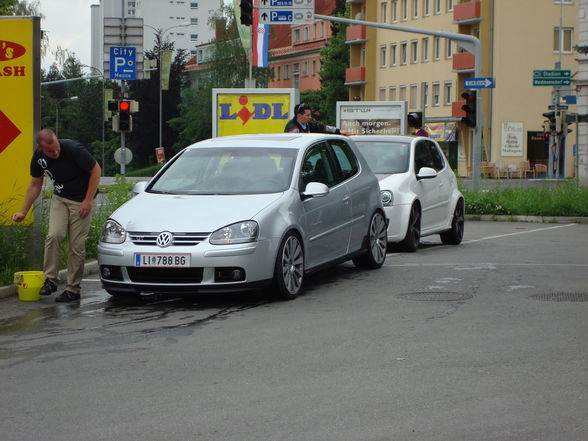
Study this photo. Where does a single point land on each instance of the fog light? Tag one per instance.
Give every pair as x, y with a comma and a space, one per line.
229, 274
105, 272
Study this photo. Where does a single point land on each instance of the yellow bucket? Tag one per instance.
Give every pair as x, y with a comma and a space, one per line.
29, 284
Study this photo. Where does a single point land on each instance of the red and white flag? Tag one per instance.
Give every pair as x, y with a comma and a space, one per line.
260, 43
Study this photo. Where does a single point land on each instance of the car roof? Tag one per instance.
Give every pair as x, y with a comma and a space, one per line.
389, 138
274, 140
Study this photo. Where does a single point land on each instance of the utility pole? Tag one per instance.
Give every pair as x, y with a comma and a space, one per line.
581, 82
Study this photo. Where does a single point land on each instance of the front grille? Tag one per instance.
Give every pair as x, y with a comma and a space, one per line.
165, 275
187, 239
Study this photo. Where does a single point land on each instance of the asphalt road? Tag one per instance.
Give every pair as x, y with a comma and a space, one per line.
483, 341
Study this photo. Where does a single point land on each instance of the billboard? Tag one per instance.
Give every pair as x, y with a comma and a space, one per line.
243, 111
19, 112
372, 117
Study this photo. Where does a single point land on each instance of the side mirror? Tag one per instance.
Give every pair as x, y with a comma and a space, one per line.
426, 173
139, 187
315, 190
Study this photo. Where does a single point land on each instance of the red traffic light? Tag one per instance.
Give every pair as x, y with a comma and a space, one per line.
124, 106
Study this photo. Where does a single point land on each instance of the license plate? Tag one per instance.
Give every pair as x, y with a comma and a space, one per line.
162, 260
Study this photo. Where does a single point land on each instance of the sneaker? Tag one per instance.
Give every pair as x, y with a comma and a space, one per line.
67, 296
48, 288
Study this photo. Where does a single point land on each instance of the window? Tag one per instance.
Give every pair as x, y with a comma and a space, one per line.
306, 33
194, 5
412, 103
425, 45
415, 8
392, 93
436, 94
131, 12
296, 35
383, 56
562, 40
393, 50
279, 73
426, 154
305, 69
345, 157
193, 37
436, 48
425, 92
315, 32
194, 20
448, 48
402, 93
322, 29
565, 2
404, 6
426, 7
437, 6
394, 11
450, 5
448, 91
383, 12
317, 167
403, 52
313, 68
382, 94
286, 71
296, 68
414, 51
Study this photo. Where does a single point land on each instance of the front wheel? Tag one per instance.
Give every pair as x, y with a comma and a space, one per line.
377, 243
411, 241
455, 235
289, 268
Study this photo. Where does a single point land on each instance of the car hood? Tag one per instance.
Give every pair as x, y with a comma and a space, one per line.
189, 213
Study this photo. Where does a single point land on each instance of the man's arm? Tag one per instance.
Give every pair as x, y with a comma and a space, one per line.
33, 192
93, 181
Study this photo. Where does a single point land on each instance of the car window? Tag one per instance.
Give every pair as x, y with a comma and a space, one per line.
422, 156
240, 170
385, 157
317, 167
438, 161
345, 158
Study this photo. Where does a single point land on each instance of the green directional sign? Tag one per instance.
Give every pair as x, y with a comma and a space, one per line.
551, 81
552, 77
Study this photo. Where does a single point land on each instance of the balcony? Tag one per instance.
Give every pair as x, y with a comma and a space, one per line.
355, 1
464, 13
464, 62
355, 34
456, 111
355, 76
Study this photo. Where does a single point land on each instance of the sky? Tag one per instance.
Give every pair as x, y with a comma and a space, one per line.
67, 22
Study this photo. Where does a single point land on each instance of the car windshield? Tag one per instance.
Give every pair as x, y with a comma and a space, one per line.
385, 157
240, 170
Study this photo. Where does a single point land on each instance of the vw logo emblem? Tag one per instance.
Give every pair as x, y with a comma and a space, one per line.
165, 239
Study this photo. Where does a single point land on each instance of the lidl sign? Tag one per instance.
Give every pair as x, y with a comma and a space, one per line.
243, 111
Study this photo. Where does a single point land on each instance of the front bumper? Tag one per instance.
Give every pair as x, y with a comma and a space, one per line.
398, 216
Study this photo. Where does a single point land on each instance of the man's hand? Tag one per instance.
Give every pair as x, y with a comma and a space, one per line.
18, 217
85, 208
346, 133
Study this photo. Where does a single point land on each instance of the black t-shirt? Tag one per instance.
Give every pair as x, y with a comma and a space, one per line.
70, 172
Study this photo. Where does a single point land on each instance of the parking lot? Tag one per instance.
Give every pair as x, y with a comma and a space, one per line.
485, 340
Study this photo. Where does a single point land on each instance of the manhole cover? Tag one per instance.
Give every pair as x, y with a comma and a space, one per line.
562, 297
435, 296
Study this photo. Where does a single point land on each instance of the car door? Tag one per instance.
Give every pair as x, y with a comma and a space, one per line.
428, 190
326, 219
444, 185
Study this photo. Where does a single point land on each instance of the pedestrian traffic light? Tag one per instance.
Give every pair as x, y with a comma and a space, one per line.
125, 120
246, 12
469, 107
113, 106
415, 119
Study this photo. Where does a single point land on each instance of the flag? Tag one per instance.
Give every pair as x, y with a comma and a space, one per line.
260, 44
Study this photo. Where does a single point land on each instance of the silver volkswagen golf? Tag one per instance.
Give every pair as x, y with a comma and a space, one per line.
246, 211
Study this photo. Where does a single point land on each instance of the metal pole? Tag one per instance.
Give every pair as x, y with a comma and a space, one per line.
57, 119
160, 98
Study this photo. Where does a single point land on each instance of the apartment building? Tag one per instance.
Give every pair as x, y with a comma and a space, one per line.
517, 37
186, 23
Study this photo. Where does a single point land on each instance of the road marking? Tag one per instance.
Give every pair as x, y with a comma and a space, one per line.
517, 233
488, 265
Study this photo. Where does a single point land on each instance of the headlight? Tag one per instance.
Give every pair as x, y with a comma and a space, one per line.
387, 198
241, 232
112, 232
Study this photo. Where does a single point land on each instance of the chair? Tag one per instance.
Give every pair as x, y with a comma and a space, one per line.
501, 170
525, 168
540, 169
513, 170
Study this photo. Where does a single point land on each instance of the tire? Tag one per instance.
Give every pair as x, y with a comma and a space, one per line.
376, 243
289, 268
455, 235
412, 239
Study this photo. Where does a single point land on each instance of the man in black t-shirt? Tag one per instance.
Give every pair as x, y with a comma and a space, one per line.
303, 123
75, 175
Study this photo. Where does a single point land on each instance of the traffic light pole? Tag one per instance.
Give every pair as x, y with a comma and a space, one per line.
467, 42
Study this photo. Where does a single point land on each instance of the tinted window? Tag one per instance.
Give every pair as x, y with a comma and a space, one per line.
317, 167
385, 157
422, 156
438, 161
345, 158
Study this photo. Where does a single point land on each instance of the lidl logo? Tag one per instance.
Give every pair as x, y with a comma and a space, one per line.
261, 111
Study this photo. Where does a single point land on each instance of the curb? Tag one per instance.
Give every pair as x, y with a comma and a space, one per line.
11, 290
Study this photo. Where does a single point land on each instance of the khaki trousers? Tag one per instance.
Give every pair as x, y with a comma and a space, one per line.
64, 218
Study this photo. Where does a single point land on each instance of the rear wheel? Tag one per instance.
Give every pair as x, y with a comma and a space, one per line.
377, 238
455, 235
411, 241
289, 268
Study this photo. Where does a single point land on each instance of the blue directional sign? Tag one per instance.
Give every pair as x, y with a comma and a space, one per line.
122, 63
479, 83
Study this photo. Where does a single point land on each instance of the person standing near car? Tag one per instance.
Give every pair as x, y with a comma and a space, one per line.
303, 123
75, 175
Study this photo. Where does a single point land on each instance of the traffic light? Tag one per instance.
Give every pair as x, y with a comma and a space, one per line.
551, 118
415, 119
469, 107
246, 12
125, 120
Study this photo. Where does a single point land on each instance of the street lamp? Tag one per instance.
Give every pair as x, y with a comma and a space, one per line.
161, 34
71, 98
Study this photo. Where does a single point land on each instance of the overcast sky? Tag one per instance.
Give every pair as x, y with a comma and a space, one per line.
67, 23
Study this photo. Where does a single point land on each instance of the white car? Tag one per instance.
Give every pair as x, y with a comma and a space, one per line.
419, 189
240, 212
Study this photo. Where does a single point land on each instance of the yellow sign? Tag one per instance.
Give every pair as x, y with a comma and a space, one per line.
19, 88
243, 111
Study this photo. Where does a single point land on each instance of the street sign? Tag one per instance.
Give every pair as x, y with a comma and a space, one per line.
552, 74
479, 83
290, 4
551, 82
558, 107
122, 63
123, 32
286, 16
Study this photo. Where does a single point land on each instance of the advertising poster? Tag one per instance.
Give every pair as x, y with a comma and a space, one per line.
19, 117
372, 117
243, 111
511, 141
